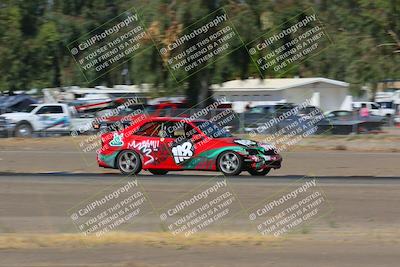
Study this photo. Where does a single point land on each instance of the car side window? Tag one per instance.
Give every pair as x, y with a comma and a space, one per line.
150, 129
50, 110
190, 131
180, 130
374, 106
176, 130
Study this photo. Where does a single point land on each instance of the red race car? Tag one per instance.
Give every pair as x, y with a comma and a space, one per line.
162, 144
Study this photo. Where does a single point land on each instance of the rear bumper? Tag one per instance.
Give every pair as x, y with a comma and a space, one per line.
107, 160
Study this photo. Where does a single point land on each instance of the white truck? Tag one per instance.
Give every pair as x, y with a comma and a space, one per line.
49, 118
376, 108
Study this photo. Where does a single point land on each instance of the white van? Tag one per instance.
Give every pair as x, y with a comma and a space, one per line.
375, 108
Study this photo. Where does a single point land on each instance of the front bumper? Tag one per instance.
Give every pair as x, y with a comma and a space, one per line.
6, 128
262, 161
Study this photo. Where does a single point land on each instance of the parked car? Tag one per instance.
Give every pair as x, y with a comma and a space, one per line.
396, 118
344, 115
162, 144
388, 101
346, 122
386, 108
256, 116
54, 118
377, 108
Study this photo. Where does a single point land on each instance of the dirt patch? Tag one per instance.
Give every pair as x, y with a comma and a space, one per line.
371, 142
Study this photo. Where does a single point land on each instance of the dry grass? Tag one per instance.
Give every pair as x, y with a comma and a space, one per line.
20, 241
389, 234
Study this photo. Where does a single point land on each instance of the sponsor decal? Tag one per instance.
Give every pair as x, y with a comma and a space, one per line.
183, 152
49, 122
146, 147
117, 140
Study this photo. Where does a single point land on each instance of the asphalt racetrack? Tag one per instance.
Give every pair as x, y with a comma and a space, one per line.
358, 226
360, 229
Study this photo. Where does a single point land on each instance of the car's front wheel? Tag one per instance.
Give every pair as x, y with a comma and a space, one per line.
230, 163
23, 130
128, 162
158, 172
260, 172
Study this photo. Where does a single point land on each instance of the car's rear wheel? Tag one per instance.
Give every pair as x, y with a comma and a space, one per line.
230, 163
128, 162
260, 172
158, 172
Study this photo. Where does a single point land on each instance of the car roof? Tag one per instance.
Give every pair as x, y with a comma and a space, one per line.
339, 110
273, 105
175, 119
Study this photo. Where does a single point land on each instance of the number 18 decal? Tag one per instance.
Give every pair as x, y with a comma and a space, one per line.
182, 152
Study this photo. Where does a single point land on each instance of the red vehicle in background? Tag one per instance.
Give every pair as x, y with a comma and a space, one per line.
125, 116
121, 118
162, 144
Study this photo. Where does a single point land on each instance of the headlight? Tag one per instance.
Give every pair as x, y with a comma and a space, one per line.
7, 120
7, 123
267, 146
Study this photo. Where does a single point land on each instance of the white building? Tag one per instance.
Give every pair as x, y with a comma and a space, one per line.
326, 93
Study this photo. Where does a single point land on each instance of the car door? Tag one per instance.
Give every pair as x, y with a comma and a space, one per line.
53, 118
375, 109
180, 144
150, 141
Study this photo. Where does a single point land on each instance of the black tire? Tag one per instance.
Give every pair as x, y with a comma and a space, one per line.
158, 172
129, 162
230, 163
362, 130
261, 172
23, 129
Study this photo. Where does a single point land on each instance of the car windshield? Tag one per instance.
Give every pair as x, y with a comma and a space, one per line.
127, 111
260, 110
307, 110
212, 130
28, 109
149, 109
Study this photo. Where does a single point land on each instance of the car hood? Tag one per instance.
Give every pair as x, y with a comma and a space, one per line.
247, 143
15, 115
